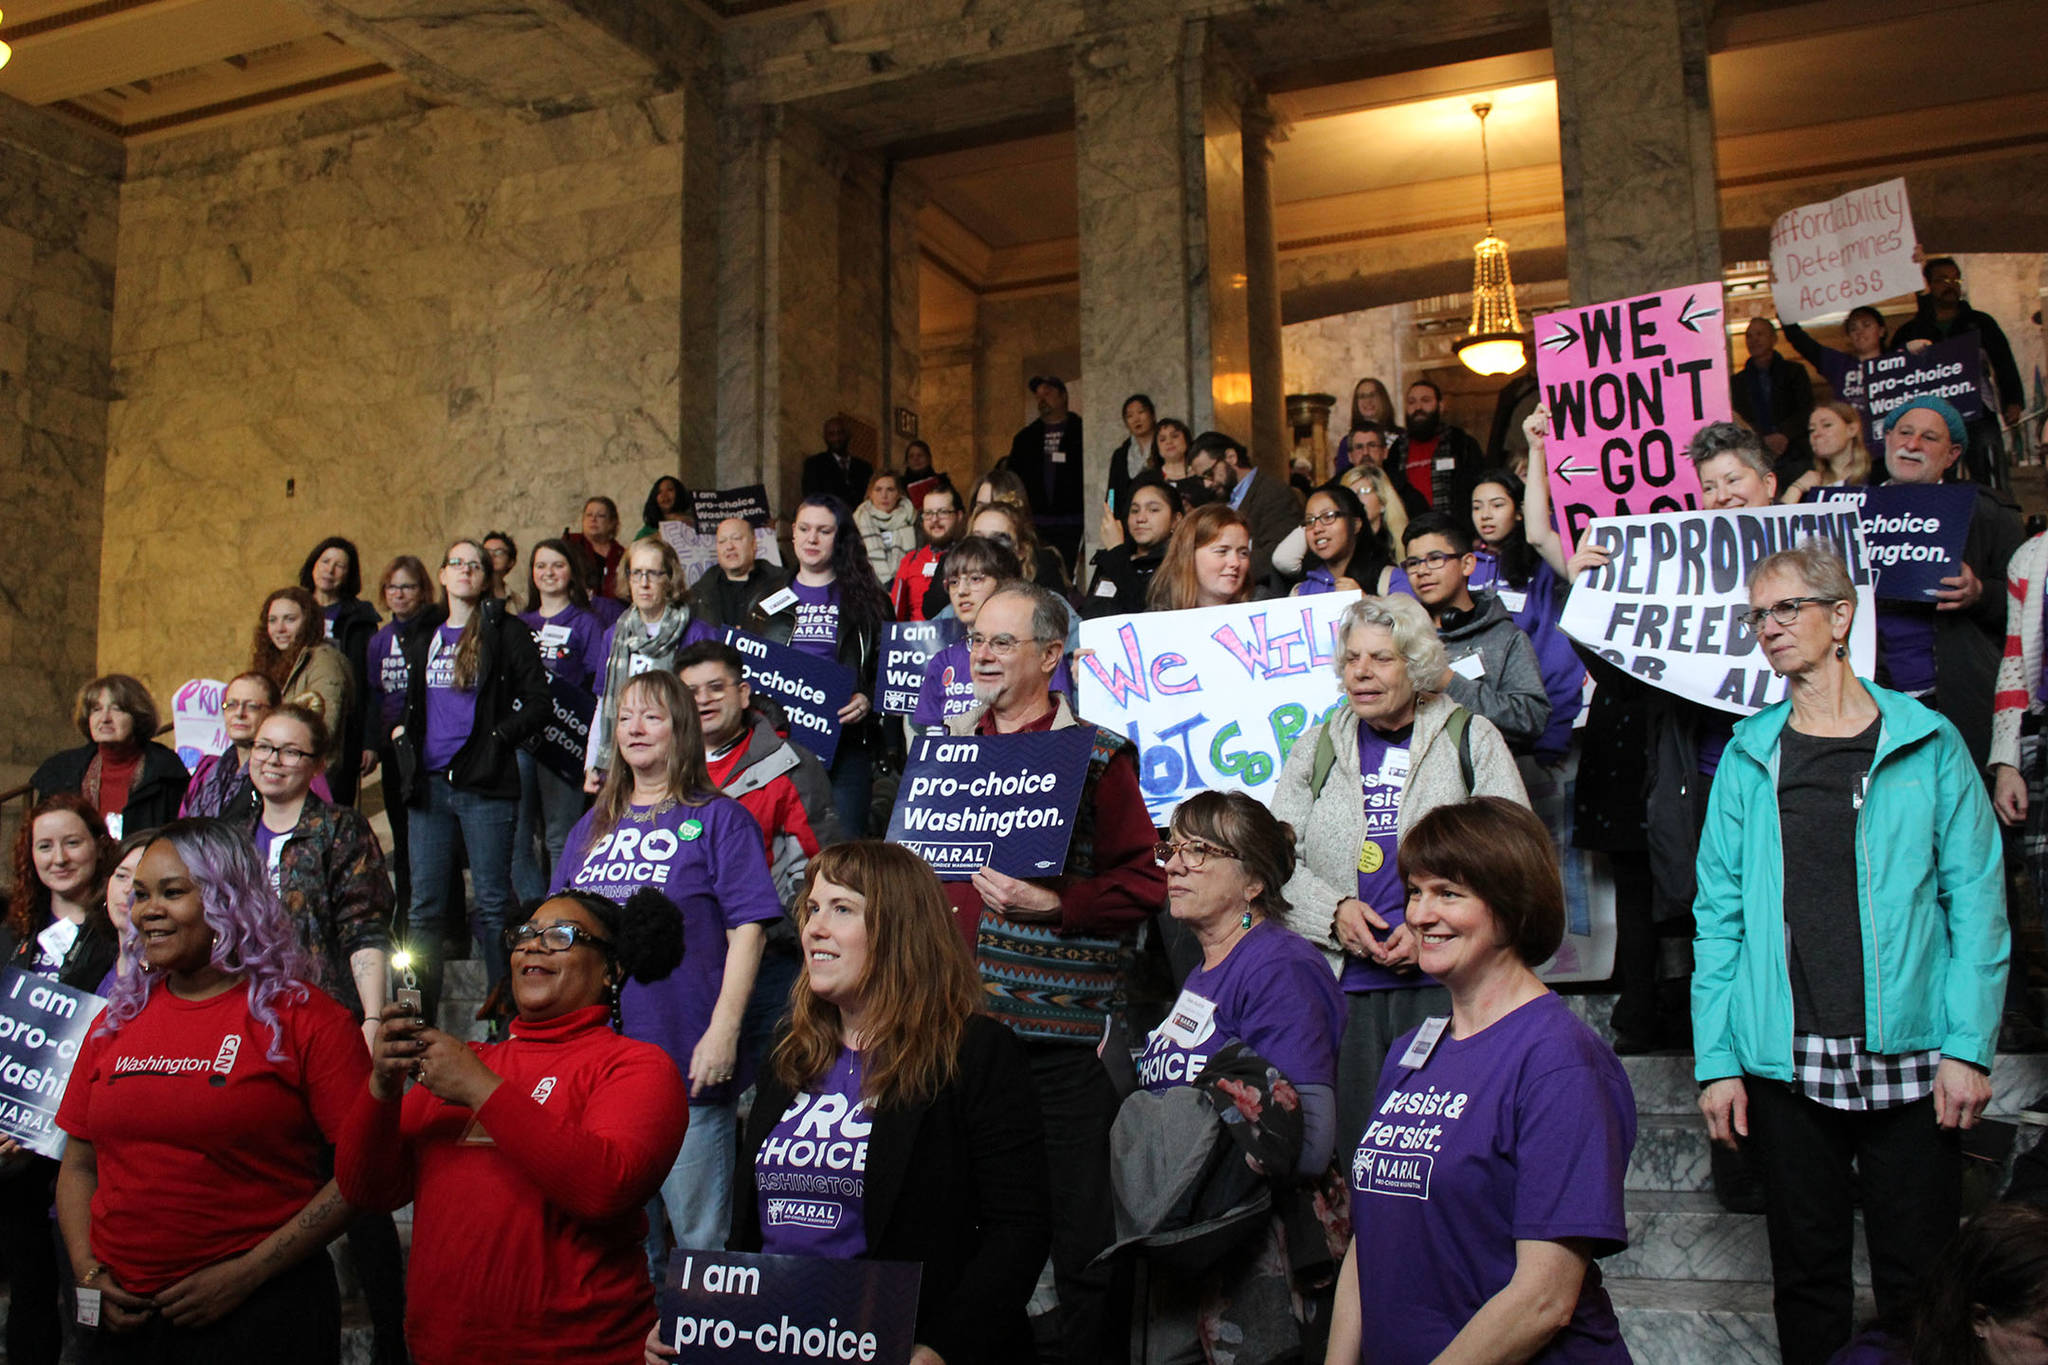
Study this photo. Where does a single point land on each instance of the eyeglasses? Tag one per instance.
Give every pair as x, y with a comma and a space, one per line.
232, 705
395, 586
1785, 613
558, 937
1315, 519
647, 575
287, 755
1193, 853
466, 565
1432, 561
1002, 646
969, 580
939, 515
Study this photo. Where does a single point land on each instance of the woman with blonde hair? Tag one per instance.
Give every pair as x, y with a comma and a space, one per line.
658, 625
1835, 431
887, 1049
1042, 564
290, 649
1208, 562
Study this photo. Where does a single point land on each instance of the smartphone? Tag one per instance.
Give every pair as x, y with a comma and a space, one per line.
409, 999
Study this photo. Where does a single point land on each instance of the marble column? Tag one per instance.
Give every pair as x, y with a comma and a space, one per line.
903, 348
697, 350
1636, 128
1160, 186
1272, 440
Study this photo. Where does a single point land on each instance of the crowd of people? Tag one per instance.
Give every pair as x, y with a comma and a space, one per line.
726, 1014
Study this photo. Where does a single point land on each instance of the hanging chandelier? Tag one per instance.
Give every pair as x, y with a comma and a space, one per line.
5, 50
1493, 344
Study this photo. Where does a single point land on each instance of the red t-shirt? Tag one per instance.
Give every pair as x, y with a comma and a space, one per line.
1421, 466
914, 578
205, 1146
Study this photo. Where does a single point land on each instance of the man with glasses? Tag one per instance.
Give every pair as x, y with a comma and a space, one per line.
917, 590
974, 569
1269, 505
1052, 951
1493, 669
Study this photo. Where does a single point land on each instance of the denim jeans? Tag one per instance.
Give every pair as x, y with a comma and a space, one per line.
696, 1197
853, 788
548, 809
484, 825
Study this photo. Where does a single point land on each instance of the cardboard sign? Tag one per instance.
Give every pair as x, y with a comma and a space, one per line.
196, 721
1951, 369
1213, 697
1001, 801
810, 690
750, 502
1913, 532
1627, 384
699, 549
906, 648
720, 1306
1665, 608
42, 1024
564, 740
1852, 249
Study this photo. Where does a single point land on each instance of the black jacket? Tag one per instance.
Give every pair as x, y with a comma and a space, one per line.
511, 705
1119, 569
1272, 509
351, 630
708, 596
1925, 326
153, 797
91, 957
958, 1185
1791, 406
822, 475
1027, 462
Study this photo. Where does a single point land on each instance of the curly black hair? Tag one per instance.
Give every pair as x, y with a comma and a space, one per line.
646, 933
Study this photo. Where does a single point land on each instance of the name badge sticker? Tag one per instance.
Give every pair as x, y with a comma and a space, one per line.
1425, 1041
1471, 666
88, 1308
780, 601
1189, 1022
1515, 602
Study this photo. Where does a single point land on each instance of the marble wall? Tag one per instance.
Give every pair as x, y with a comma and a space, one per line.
1330, 355
946, 408
59, 196
421, 323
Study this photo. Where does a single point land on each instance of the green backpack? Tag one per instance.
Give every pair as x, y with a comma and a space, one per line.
1458, 727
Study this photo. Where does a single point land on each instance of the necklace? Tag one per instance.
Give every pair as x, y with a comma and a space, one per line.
649, 815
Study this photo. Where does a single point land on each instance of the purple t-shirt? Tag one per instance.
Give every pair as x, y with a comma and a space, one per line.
1383, 769
388, 676
1905, 641
1521, 1132
451, 712
571, 643
327, 615
1274, 993
948, 687
710, 861
269, 847
817, 619
811, 1173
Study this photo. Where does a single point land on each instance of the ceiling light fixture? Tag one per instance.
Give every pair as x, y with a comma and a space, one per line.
5, 50
1493, 344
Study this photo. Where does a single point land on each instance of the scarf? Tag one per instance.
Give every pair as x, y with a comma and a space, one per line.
657, 643
225, 792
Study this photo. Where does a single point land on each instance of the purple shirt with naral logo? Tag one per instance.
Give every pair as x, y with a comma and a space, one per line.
1520, 1132
811, 1173
571, 644
1273, 993
817, 619
1383, 776
710, 861
451, 712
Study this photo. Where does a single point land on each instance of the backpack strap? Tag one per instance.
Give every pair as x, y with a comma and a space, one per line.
1325, 759
1459, 727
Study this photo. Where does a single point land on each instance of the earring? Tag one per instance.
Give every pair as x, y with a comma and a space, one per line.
1246, 921
1841, 651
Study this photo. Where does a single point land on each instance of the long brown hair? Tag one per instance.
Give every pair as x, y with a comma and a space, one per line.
265, 657
918, 991
28, 908
469, 646
688, 780
1854, 461
1174, 586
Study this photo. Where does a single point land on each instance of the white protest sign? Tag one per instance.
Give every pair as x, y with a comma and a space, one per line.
1665, 607
1856, 248
699, 549
196, 720
1213, 697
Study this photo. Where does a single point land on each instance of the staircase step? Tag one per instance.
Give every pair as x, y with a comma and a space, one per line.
1671, 1153
1597, 1009
1695, 1322
1686, 1235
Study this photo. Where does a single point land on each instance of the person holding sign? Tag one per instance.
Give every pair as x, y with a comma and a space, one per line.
1850, 962
659, 625
1942, 314
975, 568
897, 1121
1126, 564
220, 788
1840, 458
527, 1161
57, 929
1524, 583
1261, 984
660, 823
1073, 924
129, 778
667, 500
1864, 329
1395, 750
1491, 1176
199, 1111
1208, 562
571, 642
1947, 654
475, 692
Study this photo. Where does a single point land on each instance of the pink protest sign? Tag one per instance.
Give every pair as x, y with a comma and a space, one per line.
1627, 384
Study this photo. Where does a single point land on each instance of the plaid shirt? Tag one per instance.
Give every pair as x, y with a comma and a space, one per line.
1838, 1073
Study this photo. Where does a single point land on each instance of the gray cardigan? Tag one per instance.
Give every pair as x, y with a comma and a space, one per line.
1329, 829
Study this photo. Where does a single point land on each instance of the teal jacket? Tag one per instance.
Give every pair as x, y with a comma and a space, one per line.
1928, 876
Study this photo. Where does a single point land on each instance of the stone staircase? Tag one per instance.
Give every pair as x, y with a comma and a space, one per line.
1694, 1285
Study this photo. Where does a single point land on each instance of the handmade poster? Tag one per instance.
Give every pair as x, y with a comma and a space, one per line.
787, 1310
196, 721
1951, 369
564, 740
713, 507
1853, 249
1914, 533
1003, 801
1627, 384
699, 549
810, 690
42, 1024
1213, 697
907, 646
1665, 608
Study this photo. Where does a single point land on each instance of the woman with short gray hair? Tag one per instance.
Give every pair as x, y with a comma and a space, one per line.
1391, 751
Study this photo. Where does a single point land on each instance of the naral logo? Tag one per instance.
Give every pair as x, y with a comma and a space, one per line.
543, 1089
803, 1213
224, 1060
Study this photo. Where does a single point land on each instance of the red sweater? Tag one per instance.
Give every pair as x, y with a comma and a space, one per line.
527, 1221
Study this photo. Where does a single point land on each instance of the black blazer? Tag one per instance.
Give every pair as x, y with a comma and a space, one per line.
511, 704
959, 1185
1272, 509
822, 475
1791, 403
153, 797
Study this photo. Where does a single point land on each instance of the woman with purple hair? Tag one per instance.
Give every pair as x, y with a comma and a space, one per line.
189, 1197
